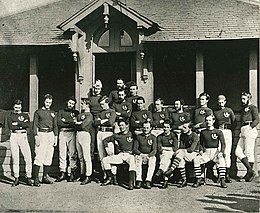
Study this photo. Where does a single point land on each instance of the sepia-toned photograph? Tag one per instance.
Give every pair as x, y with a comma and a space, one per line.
129, 106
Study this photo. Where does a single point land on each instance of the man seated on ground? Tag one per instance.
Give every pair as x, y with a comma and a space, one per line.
188, 150
145, 148
167, 144
210, 139
123, 143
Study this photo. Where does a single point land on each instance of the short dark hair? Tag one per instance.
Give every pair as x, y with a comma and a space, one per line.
72, 98
47, 96
168, 121
205, 94
122, 120
180, 100
210, 114
248, 94
121, 90
102, 98
86, 100
18, 102
147, 122
120, 79
140, 98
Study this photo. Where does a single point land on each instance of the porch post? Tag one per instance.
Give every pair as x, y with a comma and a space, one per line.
34, 84
199, 73
253, 80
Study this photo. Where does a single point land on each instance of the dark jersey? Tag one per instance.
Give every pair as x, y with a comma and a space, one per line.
87, 122
190, 141
16, 121
225, 116
124, 108
212, 139
109, 114
141, 117
145, 144
200, 115
167, 141
250, 113
66, 118
159, 118
179, 119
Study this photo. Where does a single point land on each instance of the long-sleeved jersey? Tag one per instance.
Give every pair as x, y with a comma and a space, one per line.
122, 142
212, 139
124, 108
179, 119
200, 115
158, 117
189, 141
94, 104
225, 116
17, 121
164, 140
145, 144
87, 122
45, 119
250, 113
139, 117
66, 118
109, 114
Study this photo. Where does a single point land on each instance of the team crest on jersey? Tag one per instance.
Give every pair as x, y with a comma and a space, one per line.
52, 114
226, 114
72, 114
202, 112
21, 118
214, 136
134, 101
162, 116
124, 107
108, 115
83, 117
171, 141
145, 116
181, 118
247, 109
150, 142
129, 139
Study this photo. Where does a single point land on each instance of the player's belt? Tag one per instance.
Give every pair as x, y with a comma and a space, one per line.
45, 129
67, 130
246, 123
19, 131
105, 129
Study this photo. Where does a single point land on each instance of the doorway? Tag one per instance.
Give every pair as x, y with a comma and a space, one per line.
111, 66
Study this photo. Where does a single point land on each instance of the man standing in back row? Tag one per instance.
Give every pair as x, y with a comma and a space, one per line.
246, 145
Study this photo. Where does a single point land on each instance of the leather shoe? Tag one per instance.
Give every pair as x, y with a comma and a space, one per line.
86, 181
223, 183
108, 181
46, 180
183, 184
169, 172
61, 178
138, 185
165, 184
16, 182
197, 184
148, 185
36, 182
29, 182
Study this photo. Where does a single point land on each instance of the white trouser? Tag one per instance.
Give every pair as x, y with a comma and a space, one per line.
210, 154
157, 132
246, 143
67, 145
44, 152
19, 140
228, 142
165, 158
109, 161
83, 145
101, 149
185, 156
144, 159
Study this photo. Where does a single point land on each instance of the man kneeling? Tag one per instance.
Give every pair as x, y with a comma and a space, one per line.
123, 142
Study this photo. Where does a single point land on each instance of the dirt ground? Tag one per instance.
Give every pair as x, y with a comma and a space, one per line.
72, 197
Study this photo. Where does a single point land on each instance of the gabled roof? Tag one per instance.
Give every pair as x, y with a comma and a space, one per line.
179, 19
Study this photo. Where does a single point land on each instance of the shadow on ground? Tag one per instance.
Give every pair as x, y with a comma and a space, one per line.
234, 202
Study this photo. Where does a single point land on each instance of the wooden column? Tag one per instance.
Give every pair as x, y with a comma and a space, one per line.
34, 84
199, 73
253, 80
